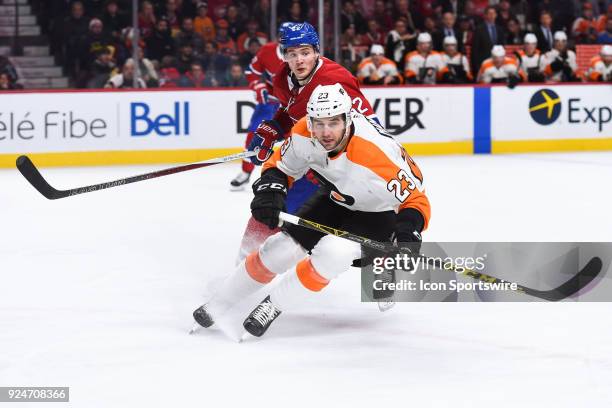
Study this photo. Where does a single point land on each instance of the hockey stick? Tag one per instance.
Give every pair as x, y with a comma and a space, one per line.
31, 173
572, 286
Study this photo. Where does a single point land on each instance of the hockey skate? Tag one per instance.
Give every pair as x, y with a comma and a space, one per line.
202, 318
240, 181
384, 298
261, 318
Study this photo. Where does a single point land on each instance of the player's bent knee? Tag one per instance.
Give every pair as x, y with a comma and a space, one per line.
332, 256
280, 252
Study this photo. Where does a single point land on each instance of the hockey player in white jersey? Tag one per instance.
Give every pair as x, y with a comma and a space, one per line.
423, 65
561, 64
600, 69
531, 61
456, 68
370, 187
500, 69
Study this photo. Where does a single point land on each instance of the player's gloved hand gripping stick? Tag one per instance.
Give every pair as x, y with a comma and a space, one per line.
267, 133
572, 286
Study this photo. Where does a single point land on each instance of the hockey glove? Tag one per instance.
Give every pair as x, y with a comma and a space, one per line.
408, 226
261, 92
556, 65
270, 193
513, 81
267, 133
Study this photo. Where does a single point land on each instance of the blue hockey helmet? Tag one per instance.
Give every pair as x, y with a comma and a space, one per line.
282, 29
299, 34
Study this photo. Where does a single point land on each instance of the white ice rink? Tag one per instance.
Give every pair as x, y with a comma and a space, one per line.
96, 293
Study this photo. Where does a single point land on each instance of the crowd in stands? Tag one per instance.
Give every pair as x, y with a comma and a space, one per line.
194, 43
8, 75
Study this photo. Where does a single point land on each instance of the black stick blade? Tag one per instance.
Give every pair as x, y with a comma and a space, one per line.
572, 286
31, 173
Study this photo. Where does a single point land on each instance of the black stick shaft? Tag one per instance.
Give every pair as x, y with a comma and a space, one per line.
32, 174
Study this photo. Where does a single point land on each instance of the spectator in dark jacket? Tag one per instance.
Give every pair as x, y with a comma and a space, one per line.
214, 63
6, 67
160, 43
113, 19
101, 69
544, 32
6, 84
247, 56
235, 76
399, 42
185, 58
349, 16
514, 34
188, 35
486, 36
95, 40
448, 29
73, 30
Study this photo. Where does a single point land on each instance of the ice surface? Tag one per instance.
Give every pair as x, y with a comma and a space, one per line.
97, 293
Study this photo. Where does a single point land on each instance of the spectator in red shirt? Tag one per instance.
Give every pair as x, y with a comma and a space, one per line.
146, 19
373, 35
168, 74
194, 78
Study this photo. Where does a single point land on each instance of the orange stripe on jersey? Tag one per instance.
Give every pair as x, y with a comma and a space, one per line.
594, 61
256, 269
364, 62
299, 129
410, 55
272, 162
308, 275
378, 162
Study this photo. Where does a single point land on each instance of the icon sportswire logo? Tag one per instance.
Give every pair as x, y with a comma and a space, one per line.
545, 106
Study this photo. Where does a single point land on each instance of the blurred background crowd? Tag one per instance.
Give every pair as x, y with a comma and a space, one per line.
193, 43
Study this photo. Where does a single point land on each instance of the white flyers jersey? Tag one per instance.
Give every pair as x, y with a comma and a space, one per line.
489, 72
424, 68
373, 173
551, 56
457, 59
599, 71
535, 61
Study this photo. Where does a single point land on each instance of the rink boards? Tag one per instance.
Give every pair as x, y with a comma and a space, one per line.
163, 126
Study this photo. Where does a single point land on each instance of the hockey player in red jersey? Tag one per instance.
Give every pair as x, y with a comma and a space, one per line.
304, 69
260, 74
378, 194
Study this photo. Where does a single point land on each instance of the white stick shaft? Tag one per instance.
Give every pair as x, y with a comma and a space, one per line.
291, 219
242, 155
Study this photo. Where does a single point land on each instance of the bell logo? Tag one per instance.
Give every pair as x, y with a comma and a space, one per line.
545, 107
144, 122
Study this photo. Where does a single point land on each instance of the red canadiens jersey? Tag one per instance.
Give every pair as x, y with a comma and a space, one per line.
267, 61
327, 72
